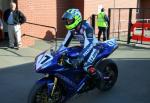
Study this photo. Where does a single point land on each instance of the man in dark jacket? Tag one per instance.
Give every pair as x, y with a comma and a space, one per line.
14, 18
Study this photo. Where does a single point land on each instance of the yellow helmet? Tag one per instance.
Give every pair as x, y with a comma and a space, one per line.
72, 18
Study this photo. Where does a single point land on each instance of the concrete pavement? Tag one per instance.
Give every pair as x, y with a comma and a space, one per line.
11, 57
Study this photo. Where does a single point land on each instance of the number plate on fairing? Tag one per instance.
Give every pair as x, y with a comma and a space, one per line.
111, 42
43, 60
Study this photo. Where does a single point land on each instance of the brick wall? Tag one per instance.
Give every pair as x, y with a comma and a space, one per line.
40, 12
91, 7
49, 12
46, 12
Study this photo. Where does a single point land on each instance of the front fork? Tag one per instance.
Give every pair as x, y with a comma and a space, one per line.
54, 85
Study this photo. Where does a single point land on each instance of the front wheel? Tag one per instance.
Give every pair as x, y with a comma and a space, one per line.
39, 94
109, 72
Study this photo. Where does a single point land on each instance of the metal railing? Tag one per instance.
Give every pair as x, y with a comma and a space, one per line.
51, 27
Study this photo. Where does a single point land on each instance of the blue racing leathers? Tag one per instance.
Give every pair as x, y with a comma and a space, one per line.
85, 35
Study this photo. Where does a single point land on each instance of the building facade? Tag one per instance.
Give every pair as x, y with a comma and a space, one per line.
44, 16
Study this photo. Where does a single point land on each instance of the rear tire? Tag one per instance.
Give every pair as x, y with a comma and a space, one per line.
39, 94
109, 74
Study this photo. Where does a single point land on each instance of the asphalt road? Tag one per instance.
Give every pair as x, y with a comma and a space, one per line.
133, 84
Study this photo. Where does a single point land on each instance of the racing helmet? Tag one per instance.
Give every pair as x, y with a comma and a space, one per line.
72, 18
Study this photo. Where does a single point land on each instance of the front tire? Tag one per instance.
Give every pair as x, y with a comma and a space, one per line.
109, 74
39, 94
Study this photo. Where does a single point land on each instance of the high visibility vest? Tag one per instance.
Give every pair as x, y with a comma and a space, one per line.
101, 22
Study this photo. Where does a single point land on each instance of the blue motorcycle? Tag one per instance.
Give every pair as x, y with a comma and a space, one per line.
62, 81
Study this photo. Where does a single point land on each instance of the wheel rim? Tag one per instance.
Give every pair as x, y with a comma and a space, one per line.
109, 77
43, 97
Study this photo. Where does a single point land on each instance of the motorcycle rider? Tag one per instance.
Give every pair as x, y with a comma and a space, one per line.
84, 33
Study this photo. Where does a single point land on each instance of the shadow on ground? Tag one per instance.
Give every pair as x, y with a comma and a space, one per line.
133, 84
16, 82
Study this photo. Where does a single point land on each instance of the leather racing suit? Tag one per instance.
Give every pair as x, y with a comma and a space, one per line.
85, 35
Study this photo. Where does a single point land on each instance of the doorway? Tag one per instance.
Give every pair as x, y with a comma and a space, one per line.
4, 4
62, 6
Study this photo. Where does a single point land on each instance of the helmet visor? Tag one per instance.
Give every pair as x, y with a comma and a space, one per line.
67, 16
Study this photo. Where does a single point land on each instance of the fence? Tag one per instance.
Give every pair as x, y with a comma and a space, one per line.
122, 21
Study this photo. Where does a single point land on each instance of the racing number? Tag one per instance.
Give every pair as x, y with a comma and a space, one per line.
110, 43
46, 58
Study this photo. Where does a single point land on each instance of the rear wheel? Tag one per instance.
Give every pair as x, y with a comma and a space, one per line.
109, 74
39, 94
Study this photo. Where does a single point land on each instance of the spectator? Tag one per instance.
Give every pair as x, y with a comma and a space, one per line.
102, 23
14, 18
1, 26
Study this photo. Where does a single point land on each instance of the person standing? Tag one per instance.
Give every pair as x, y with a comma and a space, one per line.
102, 23
14, 18
1, 26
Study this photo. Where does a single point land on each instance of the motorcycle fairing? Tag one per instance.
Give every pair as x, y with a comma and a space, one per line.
108, 47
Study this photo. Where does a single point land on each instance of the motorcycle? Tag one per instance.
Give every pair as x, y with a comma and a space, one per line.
62, 81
